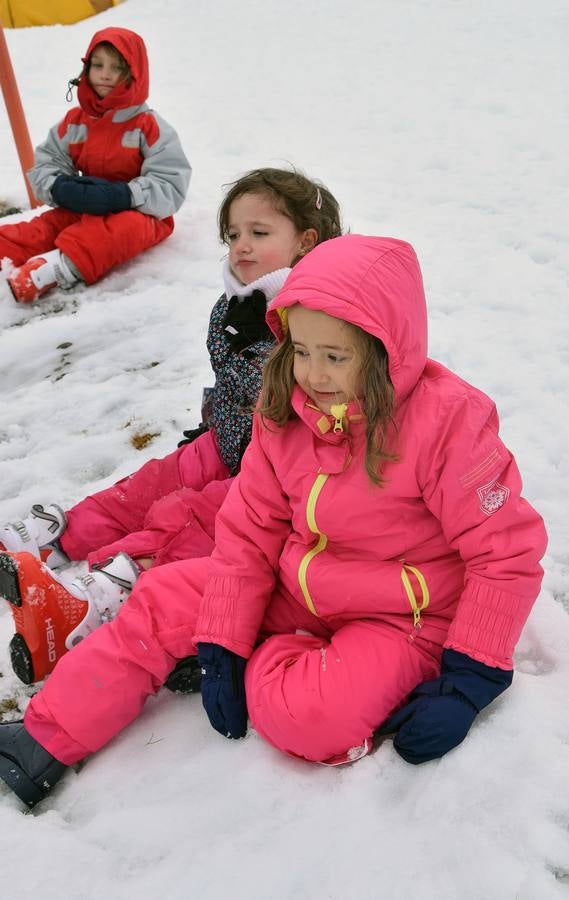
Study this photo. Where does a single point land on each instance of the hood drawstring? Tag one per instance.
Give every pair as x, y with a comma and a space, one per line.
73, 82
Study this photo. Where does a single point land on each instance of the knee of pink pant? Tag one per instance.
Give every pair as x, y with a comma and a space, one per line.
169, 597
293, 707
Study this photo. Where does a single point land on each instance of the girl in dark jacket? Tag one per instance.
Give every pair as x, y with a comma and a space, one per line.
165, 512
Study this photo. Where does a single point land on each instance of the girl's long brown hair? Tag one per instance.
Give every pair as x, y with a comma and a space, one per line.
376, 387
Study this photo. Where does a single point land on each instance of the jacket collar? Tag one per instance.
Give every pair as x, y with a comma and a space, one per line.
334, 428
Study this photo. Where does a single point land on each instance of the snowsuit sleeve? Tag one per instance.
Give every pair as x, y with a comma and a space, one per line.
251, 529
471, 483
160, 188
162, 185
51, 159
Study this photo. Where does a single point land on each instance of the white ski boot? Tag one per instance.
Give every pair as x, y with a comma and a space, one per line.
38, 533
104, 588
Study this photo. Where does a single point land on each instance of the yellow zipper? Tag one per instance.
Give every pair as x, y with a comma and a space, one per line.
417, 610
320, 545
338, 410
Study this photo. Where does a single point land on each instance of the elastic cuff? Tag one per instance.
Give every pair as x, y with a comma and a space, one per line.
488, 624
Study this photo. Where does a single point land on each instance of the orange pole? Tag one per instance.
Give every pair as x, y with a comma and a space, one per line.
16, 114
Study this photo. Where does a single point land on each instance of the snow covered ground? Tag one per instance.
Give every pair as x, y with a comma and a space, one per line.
444, 123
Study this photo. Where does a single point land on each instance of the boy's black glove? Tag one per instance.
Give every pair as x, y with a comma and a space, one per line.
88, 194
223, 689
244, 322
439, 713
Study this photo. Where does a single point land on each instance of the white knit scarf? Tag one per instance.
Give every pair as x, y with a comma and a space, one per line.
269, 284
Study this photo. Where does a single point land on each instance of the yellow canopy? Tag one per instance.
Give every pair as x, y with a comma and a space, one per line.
19, 13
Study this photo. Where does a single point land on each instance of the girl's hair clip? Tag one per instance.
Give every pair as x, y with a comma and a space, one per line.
318, 199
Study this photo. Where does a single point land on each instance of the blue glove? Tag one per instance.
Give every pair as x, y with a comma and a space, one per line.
223, 689
439, 713
87, 194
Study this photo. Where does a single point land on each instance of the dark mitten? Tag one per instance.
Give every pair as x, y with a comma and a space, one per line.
439, 713
87, 194
223, 689
192, 434
244, 323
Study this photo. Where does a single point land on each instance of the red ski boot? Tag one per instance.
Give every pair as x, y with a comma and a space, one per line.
51, 616
39, 275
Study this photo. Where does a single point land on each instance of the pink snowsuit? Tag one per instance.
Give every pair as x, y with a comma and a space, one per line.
164, 511
341, 594
118, 138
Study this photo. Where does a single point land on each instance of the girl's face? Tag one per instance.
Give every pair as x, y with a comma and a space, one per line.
261, 239
105, 71
326, 361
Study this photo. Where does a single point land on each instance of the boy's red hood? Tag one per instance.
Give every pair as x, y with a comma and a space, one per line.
133, 48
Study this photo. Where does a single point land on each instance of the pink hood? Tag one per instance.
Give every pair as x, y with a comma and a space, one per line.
133, 48
372, 282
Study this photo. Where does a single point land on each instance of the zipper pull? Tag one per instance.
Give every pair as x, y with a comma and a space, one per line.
338, 410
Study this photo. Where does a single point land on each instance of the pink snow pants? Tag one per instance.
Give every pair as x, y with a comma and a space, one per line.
95, 244
311, 695
166, 510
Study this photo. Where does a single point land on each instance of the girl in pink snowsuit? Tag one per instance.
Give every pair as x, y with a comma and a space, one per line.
374, 562
113, 169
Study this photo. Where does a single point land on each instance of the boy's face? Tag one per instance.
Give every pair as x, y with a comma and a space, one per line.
326, 361
105, 71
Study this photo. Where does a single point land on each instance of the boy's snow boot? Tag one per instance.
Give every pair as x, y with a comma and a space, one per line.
186, 678
39, 275
25, 766
51, 615
38, 533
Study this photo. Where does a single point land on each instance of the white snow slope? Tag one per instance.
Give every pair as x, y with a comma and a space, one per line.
444, 123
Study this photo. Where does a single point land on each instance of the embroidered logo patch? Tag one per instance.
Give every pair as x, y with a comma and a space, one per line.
492, 497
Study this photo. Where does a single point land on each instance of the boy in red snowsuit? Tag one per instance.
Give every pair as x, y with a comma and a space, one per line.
113, 169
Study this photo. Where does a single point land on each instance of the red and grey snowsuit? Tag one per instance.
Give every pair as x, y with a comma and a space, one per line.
118, 138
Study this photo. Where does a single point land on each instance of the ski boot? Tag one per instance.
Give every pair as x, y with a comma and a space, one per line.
51, 615
38, 533
39, 275
186, 678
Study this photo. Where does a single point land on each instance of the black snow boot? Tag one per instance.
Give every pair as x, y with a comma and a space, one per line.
186, 678
28, 769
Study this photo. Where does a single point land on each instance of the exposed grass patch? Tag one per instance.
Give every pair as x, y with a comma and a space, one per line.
142, 439
9, 704
7, 210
